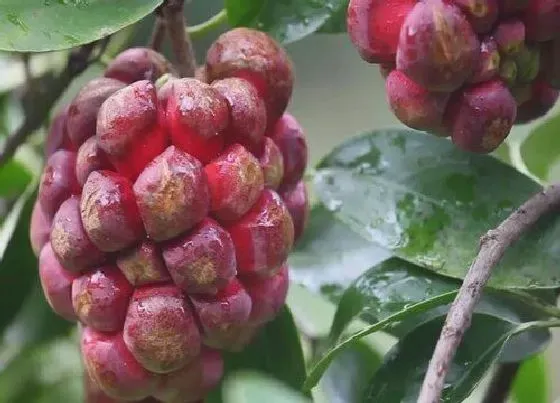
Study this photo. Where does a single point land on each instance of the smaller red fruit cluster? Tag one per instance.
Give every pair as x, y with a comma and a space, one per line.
469, 69
166, 212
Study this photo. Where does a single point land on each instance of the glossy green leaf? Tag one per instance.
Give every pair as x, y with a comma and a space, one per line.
429, 203
41, 25
394, 285
323, 363
14, 178
330, 255
243, 12
18, 265
408, 361
541, 149
256, 388
276, 351
287, 21
346, 379
531, 384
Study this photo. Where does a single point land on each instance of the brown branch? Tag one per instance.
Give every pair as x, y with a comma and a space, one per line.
493, 245
501, 383
158, 32
180, 40
41, 94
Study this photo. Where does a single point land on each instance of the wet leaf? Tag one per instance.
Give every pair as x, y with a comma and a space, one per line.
532, 382
42, 25
408, 360
429, 203
287, 21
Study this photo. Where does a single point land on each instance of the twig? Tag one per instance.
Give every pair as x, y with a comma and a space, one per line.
158, 33
42, 92
180, 40
493, 245
501, 383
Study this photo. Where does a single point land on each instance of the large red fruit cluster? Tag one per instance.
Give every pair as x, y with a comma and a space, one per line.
166, 212
469, 69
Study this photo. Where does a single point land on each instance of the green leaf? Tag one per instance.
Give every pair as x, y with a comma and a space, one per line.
321, 366
255, 388
408, 361
243, 12
429, 203
394, 284
346, 379
276, 351
42, 25
288, 20
18, 265
14, 178
532, 381
330, 255
541, 149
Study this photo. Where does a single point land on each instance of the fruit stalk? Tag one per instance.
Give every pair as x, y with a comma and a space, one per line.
180, 39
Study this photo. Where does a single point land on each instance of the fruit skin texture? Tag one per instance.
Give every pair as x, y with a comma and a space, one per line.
158, 220
288, 136
160, 329
510, 36
480, 117
136, 64
414, 105
374, 27
541, 20
488, 62
437, 46
268, 224
56, 283
542, 99
82, 113
482, 14
253, 55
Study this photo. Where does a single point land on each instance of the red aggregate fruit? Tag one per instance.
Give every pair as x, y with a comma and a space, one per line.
272, 164
143, 264
264, 236
255, 56
56, 283
437, 46
488, 63
82, 113
289, 137
197, 116
160, 329
172, 194
90, 158
247, 113
413, 105
194, 381
482, 14
374, 27
541, 19
109, 212
128, 130
136, 64
480, 117
57, 137
58, 181
161, 200
235, 181
100, 298
297, 203
113, 368
542, 99
512, 6
267, 295
39, 229
203, 260
69, 240
222, 315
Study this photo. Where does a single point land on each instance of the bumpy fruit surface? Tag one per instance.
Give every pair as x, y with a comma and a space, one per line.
468, 69
166, 214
